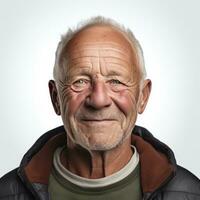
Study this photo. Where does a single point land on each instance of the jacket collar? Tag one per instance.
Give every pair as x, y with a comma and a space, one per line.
157, 160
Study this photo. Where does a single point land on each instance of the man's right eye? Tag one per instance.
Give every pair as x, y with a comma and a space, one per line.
80, 84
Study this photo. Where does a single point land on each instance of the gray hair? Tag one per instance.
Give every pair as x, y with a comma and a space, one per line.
99, 20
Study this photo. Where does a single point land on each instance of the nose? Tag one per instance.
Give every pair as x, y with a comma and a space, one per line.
98, 97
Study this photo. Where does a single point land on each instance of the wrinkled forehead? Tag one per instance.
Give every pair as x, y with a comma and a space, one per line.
103, 43
99, 50
101, 40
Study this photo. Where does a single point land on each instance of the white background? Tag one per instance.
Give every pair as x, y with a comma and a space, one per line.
169, 33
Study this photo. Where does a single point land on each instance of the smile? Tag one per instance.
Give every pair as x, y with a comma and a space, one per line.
98, 120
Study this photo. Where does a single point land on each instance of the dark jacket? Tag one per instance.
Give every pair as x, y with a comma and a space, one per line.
161, 178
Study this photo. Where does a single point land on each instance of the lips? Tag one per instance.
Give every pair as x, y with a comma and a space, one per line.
86, 116
97, 120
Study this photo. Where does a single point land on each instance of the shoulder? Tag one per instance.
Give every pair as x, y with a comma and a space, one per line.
185, 181
11, 186
184, 184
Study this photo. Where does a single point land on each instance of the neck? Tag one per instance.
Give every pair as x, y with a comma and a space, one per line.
96, 164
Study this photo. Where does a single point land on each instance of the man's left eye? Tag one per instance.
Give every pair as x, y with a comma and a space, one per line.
115, 82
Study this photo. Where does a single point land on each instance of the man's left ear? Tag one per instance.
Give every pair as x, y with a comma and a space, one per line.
144, 95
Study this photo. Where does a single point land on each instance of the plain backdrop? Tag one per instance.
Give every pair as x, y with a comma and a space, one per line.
169, 34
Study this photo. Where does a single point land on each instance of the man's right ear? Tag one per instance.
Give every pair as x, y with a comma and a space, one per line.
54, 96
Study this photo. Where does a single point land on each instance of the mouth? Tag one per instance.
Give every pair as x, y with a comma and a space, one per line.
98, 120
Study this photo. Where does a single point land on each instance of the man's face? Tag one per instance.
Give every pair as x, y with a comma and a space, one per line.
99, 93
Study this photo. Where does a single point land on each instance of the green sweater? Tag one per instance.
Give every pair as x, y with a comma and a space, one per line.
126, 189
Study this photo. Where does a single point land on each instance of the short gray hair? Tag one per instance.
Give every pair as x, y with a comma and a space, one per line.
99, 20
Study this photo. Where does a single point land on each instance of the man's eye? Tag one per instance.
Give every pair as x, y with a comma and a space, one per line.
115, 82
80, 84
117, 85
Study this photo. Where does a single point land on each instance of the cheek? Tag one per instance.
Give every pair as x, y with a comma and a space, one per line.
72, 102
126, 101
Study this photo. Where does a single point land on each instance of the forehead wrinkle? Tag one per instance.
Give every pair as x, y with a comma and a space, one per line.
97, 52
79, 62
103, 67
73, 71
99, 45
76, 60
106, 64
116, 67
98, 60
115, 60
82, 48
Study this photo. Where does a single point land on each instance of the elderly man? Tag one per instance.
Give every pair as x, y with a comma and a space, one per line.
99, 87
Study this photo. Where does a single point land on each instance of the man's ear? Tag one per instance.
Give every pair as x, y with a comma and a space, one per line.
54, 96
144, 95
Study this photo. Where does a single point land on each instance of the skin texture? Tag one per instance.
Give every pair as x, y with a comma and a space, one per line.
99, 97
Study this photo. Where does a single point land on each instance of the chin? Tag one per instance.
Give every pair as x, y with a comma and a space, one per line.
97, 139
101, 145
